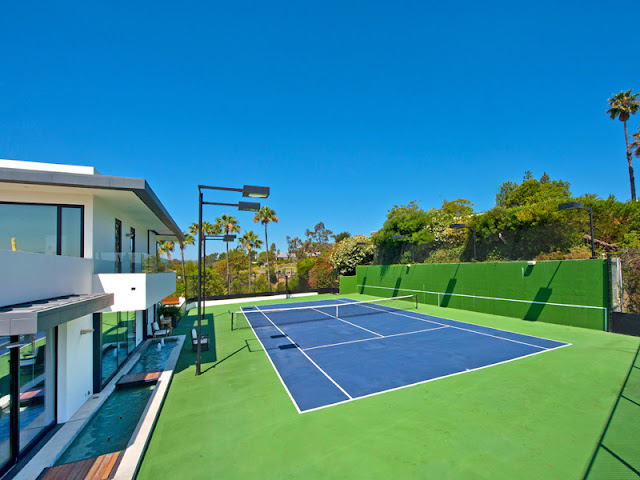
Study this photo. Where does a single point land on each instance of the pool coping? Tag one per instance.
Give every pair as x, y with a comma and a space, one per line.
55, 447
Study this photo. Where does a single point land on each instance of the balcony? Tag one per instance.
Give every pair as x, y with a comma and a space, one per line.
115, 262
137, 280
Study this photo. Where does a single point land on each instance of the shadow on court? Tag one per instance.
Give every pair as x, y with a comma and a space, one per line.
617, 454
187, 356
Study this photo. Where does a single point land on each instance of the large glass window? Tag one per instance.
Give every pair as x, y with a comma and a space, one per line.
71, 231
37, 392
33, 403
118, 341
29, 228
5, 402
48, 229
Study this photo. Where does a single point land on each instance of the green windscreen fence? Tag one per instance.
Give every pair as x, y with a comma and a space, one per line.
570, 292
348, 285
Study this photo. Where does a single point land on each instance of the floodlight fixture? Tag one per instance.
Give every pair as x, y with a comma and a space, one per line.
580, 206
570, 205
248, 206
253, 191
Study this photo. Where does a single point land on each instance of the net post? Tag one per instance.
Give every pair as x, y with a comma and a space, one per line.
231, 320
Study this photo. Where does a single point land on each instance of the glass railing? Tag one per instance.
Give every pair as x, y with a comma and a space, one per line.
114, 262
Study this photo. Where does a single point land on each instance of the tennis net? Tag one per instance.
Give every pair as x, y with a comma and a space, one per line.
257, 317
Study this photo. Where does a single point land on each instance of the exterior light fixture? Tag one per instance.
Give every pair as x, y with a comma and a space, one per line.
580, 206
248, 206
253, 191
462, 225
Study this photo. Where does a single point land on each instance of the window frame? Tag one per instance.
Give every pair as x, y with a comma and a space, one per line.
59, 207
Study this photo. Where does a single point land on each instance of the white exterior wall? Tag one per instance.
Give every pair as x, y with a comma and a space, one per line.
104, 227
35, 276
75, 366
134, 291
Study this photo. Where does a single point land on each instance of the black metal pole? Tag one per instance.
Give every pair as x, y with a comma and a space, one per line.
593, 249
204, 268
199, 280
475, 253
286, 286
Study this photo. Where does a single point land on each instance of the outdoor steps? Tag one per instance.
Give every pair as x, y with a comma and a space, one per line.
97, 468
137, 379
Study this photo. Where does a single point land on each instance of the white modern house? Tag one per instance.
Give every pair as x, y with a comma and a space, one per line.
80, 285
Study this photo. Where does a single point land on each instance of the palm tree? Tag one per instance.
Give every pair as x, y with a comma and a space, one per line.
250, 241
166, 247
207, 229
266, 215
227, 224
188, 240
623, 105
635, 145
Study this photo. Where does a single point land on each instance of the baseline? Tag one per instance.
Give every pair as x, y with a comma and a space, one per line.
471, 330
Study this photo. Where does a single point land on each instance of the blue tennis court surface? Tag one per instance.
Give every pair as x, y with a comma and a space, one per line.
327, 355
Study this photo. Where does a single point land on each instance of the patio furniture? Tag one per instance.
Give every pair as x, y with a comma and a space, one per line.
166, 323
158, 332
204, 340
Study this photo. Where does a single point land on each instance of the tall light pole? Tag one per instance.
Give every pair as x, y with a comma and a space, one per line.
580, 206
250, 191
462, 225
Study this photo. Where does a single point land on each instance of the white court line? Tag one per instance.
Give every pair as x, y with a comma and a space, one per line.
465, 329
308, 357
345, 321
433, 379
274, 368
495, 298
368, 339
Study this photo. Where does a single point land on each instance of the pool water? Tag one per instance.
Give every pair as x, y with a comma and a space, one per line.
153, 359
110, 428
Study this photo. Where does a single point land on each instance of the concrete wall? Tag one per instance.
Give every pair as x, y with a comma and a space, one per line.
135, 291
75, 366
34, 276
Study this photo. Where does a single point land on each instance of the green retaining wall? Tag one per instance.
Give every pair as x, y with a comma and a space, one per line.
348, 285
513, 289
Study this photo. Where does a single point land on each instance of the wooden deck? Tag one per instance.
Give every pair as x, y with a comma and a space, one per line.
136, 379
98, 468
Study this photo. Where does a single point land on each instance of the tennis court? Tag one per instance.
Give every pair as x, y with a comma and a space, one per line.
328, 352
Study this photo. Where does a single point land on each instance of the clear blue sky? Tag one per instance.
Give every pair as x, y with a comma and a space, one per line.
343, 108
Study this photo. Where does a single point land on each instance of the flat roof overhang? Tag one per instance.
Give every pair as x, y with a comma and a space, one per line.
138, 186
33, 317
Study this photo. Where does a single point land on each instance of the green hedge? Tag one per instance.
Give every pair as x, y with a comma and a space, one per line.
348, 285
513, 289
